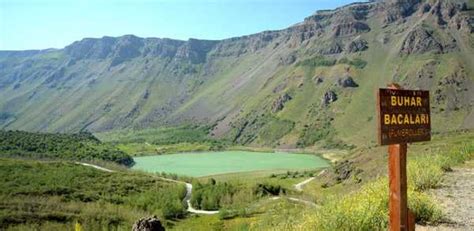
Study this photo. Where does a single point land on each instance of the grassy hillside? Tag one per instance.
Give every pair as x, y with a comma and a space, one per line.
82, 147
56, 195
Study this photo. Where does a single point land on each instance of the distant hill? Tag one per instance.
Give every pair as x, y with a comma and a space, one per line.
313, 82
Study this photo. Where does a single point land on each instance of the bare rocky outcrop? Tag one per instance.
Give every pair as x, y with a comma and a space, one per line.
357, 46
124, 48
148, 224
350, 28
444, 11
347, 82
334, 48
453, 91
279, 103
464, 23
288, 59
396, 10
329, 97
419, 41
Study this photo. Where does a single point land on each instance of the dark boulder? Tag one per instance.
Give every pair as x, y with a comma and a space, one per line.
148, 224
347, 82
318, 80
329, 97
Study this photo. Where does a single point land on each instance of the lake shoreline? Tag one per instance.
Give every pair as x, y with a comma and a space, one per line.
199, 164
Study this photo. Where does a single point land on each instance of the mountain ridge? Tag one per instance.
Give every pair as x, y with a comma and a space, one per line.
282, 88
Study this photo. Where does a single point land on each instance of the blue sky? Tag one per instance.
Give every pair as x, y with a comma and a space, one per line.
40, 24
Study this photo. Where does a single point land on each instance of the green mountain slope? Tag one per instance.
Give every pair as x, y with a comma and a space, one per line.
312, 83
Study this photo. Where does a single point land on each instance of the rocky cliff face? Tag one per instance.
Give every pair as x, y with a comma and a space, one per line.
273, 78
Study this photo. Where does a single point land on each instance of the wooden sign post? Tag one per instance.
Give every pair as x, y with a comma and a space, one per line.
404, 117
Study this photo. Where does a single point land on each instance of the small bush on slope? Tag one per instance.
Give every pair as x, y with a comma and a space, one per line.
425, 172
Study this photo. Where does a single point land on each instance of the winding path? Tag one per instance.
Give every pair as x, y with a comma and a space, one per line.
189, 190
299, 186
187, 197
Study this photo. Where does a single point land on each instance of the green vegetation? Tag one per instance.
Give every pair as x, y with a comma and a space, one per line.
293, 174
212, 163
159, 136
425, 172
231, 196
185, 138
317, 61
232, 90
315, 132
51, 194
368, 209
357, 62
82, 146
345, 206
143, 149
212, 195
275, 129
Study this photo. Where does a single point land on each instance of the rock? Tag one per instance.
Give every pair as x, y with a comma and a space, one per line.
280, 87
347, 82
287, 60
279, 103
330, 50
357, 46
350, 28
426, 8
344, 170
419, 41
395, 10
148, 224
329, 97
318, 80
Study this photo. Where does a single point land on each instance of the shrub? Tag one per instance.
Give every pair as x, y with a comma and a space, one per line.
423, 174
317, 61
425, 209
367, 209
212, 195
357, 62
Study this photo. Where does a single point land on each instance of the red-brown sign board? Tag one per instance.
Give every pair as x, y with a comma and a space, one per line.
404, 116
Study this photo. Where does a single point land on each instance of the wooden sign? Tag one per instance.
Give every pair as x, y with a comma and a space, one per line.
404, 116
